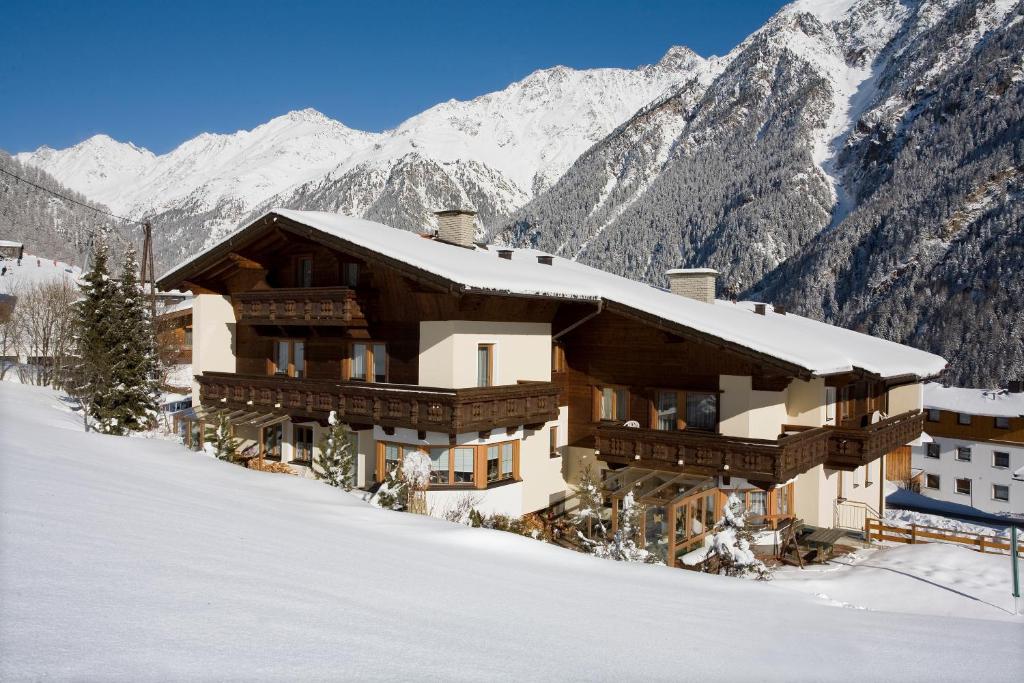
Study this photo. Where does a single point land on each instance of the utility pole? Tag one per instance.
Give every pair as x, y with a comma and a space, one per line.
146, 266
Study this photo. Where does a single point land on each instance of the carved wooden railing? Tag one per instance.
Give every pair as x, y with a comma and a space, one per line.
851, 447
703, 453
299, 306
388, 405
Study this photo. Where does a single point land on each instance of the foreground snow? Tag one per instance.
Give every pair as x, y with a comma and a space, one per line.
132, 559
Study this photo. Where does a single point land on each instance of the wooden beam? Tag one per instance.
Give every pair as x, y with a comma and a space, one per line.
245, 262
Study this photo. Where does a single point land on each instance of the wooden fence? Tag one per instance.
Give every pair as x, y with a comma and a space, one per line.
878, 530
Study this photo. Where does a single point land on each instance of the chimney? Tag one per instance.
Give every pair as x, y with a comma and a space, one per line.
1015, 387
505, 254
693, 283
546, 260
760, 309
781, 310
456, 226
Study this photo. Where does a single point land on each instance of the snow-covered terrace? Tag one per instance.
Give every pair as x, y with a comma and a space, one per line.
987, 402
816, 347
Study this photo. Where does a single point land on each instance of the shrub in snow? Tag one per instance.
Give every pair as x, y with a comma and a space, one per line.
269, 466
220, 442
416, 473
462, 509
731, 545
625, 545
529, 525
587, 526
392, 492
336, 461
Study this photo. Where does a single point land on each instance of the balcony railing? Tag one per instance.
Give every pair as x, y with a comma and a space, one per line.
451, 411
851, 447
300, 306
702, 453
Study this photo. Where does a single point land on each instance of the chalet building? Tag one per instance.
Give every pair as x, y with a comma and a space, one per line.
12, 250
174, 327
975, 454
515, 369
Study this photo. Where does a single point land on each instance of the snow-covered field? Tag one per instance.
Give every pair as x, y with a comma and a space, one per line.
133, 559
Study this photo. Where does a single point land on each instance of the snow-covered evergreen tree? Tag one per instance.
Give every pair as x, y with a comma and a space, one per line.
336, 461
133, 405
392, 492
220, 442
625, 545
732, 542
95, 341
586, 518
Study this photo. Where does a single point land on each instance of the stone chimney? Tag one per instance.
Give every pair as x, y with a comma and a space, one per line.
456, 226
693, 283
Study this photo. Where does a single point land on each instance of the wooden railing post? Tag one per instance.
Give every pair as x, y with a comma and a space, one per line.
913, 533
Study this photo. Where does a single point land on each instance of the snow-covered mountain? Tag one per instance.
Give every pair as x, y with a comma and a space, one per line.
493, 153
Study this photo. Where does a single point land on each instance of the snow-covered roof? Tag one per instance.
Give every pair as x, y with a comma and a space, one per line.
185, 305
987, 402
10, 243
816, 347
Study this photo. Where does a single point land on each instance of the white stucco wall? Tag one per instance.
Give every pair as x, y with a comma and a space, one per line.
816, 491
745, 412
213, 336
448, 352
980, 470
805, 402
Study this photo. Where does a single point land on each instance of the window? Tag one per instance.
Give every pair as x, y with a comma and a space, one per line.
932, 450
613, 403
302, 438
668, 410
485, 365
557, 357
963, 486
555, 450
934, 414
304, 271
1002, 422
701, 411
188, 337
1000, 459
830, 404
782, 500
289, 358
963, 419
758, 503
963, 453
350, 274
272, 437
1001, 492
368, 362
454, 465
931, 481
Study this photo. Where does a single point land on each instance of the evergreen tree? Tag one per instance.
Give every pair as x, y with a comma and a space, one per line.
220, 440
625, 545
95, 333
732, 542
392, 494
133, 405
586, 518
336, 461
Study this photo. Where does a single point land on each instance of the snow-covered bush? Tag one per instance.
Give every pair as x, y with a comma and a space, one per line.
624, 545
731, 545
587, 526
336, 461
416, 473
392, 492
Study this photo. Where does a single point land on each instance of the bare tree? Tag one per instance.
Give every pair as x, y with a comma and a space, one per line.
45, 330
10, 331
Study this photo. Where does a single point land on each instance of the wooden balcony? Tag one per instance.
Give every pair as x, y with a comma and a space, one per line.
451, 411
300, 306
850, 447
691, 451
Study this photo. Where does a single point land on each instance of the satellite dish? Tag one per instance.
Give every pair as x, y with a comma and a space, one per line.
633, 424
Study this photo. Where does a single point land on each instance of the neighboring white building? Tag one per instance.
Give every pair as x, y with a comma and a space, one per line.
976, 453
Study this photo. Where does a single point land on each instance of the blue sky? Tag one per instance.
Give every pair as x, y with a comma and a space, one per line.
158, 73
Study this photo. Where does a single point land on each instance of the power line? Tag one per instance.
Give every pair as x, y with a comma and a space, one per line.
69, 199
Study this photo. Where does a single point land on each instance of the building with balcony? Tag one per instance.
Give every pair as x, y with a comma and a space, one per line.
515, 369
974, 455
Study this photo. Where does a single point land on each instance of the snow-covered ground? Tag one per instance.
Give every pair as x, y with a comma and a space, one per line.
908, 517
132, 559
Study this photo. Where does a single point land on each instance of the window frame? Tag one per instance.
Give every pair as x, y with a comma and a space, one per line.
558, 363
1005, 487
369, 360
478, 458
1003, 453
272, 366
349, 268
299, 260
961, 450
296, 450
187, 339
489, 380
927, 481
963, 419
1005, 422
956, 486
681, 408
928, 450
598, 411
933, 411
266, 454
554, 449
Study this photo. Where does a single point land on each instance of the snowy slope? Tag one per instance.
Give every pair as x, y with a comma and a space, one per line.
130, 559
